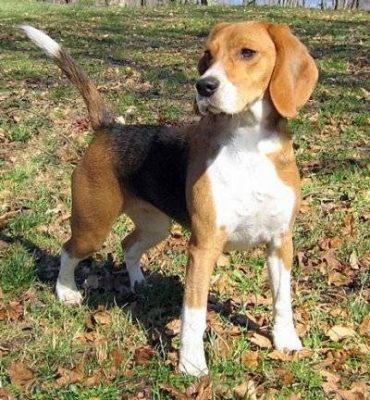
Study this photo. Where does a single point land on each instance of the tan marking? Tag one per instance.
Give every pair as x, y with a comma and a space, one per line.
97, 199
208, 240
285, 251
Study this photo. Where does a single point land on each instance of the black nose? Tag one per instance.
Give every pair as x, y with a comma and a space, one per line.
207, 86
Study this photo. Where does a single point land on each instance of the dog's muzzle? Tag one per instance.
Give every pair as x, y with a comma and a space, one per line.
207, 86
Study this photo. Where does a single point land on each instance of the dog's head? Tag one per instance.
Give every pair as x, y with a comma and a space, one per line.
243, 61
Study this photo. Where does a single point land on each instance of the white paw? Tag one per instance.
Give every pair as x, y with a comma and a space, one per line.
136, 278
286, 338
70, 296
193, 362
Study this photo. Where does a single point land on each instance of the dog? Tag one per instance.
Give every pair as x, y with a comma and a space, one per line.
231, 178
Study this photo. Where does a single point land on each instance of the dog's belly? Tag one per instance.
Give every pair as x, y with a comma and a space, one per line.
251, 201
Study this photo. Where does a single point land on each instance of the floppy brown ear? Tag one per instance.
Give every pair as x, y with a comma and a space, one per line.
295, 73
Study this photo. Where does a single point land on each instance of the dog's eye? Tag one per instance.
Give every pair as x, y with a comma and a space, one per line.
247, 53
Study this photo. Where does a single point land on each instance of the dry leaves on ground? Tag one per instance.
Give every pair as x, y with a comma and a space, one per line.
5, 395
338, 332
261, 341
21, 375
365, 326
143, 355
202, 390
246, 390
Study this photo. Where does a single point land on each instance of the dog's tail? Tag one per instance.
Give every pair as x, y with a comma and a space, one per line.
100, 116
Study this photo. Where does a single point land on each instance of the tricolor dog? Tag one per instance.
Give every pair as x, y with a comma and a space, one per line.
231, 178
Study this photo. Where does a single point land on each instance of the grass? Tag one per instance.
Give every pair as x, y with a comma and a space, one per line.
145, 64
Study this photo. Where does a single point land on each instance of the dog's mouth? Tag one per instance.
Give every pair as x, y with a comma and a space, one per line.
206, 106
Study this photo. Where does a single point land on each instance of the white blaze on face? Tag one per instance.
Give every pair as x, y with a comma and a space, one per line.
225, 99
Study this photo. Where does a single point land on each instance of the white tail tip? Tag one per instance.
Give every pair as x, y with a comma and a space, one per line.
41, 39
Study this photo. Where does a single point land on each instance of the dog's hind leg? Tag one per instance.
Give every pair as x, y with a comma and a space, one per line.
151, 227
97, 201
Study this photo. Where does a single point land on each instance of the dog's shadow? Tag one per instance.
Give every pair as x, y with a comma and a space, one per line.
105, 283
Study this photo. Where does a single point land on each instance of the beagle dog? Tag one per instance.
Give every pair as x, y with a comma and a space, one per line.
232, 178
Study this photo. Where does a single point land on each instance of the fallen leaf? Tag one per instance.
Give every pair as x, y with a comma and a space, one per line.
13, 311
221, 282
102, 317
284, 375
295, 397
250, 359
261, 341
279, 355
338, 332
358, 391
143, 355
329, 387
241, 390
173, 327
246, 390
3, 313
365, 326
338, 279
331, 260
95, 379
223, 260
117, 357
29, 295
68, 376
20, 375
4, 218
353, 260
5, 395
301, 354
329, 376
173, 392
84, 337
339, 312
202, 390
101, 349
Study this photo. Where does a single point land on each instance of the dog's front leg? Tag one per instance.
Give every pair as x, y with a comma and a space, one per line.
280, 258
198, 274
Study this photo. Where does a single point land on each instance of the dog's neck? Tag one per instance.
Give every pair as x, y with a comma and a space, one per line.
255, 128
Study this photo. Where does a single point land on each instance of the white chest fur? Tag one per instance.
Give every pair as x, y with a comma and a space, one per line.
251, 201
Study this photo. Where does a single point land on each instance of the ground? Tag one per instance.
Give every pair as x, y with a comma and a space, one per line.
118, 345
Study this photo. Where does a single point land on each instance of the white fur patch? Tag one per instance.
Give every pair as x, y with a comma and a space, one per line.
284, 334
41, 39
251, 201
66, 288
192, 357
135, 274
